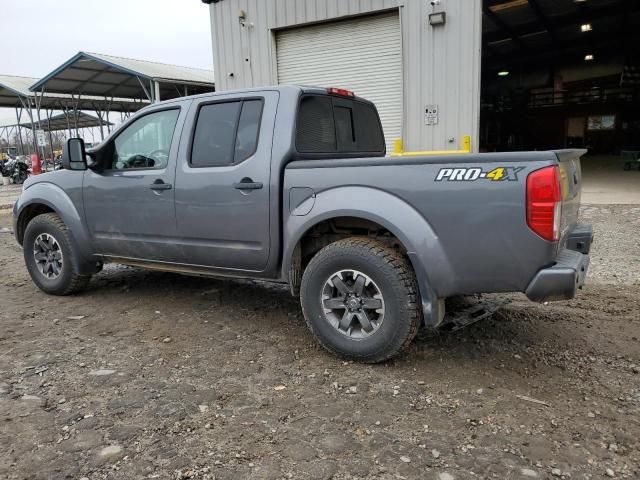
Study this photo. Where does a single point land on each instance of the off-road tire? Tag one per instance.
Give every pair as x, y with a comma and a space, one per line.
394, 276
69, 280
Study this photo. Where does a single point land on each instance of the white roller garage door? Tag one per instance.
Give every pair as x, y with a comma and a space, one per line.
363, 55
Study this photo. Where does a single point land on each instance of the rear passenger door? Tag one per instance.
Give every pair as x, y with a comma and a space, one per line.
222, 182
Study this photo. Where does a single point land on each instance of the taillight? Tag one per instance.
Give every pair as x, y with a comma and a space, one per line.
544, 202
341, 92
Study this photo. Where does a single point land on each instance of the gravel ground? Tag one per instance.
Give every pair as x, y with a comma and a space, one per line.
153, 375
615, 258
8, 195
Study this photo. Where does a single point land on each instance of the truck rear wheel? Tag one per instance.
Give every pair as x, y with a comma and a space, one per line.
360, 300
48, 255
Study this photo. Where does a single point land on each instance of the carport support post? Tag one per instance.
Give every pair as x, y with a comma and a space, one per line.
33, 127
107, 112
18, 117
49, 130
99, 115
38, 99
148, 93
156, 92
101, 124
66, 116
75, 103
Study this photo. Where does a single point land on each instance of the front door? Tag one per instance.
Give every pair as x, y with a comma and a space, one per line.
129, 202
222, 182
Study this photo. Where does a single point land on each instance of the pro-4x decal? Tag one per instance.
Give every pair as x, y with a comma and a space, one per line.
465, 174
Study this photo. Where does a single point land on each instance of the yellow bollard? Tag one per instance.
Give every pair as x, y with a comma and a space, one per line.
466, 143
397, 146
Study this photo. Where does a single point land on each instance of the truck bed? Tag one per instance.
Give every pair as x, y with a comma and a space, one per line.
473, 229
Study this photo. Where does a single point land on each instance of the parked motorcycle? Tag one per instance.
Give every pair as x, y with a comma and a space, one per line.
15, 170
57, 163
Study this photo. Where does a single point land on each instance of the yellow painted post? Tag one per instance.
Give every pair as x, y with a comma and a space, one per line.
466, 143
397, 145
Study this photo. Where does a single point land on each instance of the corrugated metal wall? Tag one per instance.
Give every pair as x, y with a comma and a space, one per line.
441, 64
362, 54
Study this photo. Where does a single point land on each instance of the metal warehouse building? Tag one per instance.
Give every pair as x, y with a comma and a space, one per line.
421, 68
511, 74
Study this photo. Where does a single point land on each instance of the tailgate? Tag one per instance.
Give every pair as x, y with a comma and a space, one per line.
571, 180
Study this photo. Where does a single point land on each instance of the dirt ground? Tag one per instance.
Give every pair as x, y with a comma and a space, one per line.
153, 375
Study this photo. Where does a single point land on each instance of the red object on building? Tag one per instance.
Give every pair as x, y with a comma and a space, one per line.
36, 164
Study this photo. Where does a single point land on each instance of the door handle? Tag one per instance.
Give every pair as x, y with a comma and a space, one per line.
247, 184
160, 185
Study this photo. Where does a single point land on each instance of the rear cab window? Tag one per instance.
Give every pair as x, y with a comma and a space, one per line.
226, 132
328, 125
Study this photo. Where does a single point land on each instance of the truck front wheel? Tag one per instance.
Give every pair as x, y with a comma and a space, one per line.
49, 258
360, 300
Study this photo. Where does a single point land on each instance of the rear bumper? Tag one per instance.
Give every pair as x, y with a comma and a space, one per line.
561, 281
580, 238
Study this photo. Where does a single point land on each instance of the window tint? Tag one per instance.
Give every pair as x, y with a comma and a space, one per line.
368, 131
226, 133
248, 128
316, 131
146, 142
344, 128
328, 124
213, 140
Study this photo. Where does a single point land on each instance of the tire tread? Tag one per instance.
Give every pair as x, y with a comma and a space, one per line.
77, 281
404, 271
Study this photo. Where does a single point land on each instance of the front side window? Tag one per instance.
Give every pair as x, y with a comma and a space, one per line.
145, 143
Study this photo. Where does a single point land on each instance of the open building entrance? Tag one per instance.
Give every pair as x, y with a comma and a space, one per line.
565, 74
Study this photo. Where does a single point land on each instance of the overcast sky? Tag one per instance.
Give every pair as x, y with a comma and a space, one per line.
36, 36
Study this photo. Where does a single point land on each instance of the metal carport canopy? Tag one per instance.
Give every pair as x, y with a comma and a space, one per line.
105, 75
15, 93
60, 122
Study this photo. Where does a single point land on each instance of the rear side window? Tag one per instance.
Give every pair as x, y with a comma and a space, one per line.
367, 128
226, 133
316, 131
345, 134
248, 129
327, 124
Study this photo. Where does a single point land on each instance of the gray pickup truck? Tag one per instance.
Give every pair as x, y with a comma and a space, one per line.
291, 184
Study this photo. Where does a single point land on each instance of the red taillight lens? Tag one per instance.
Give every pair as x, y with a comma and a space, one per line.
544, 202
340, 91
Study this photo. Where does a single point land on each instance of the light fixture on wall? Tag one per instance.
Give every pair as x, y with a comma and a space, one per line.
436, 19
242, 17
589, 57
503, 73
585, 27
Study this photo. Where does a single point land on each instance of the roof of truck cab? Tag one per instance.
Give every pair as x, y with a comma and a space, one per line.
286, 89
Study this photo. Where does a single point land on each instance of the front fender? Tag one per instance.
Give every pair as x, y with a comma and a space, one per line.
55, 198
430, 263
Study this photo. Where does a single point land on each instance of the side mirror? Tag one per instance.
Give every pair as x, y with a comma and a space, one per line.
74, 156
